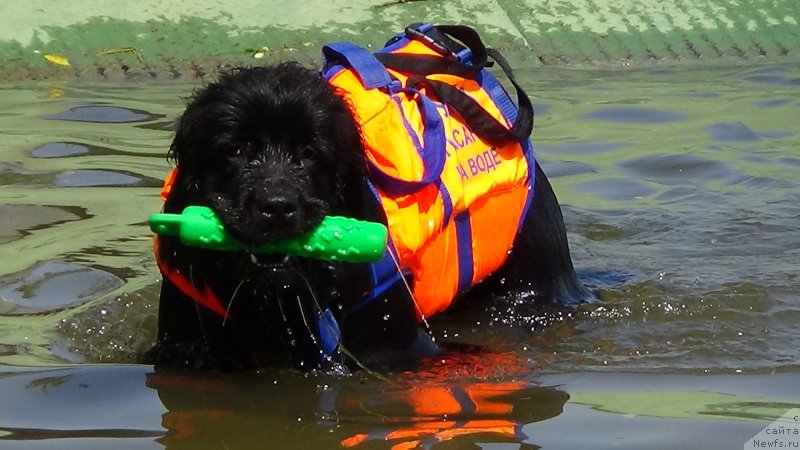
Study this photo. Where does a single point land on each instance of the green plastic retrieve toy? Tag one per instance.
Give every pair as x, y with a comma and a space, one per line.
336, 238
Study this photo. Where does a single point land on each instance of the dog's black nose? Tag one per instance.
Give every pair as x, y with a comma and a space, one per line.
279, 208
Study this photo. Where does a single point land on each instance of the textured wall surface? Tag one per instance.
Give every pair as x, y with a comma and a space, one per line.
179, 39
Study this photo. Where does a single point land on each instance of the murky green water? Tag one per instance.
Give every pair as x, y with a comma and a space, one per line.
683, 183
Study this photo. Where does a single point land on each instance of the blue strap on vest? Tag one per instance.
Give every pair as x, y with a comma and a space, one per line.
371, 72
385, 272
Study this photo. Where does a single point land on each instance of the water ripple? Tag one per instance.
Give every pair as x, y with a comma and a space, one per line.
617, 188
732, 132
739, 132
634, 115
675, 169
583, 147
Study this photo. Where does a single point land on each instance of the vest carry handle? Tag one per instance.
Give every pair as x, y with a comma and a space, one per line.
373, 74
473, 114
454, 53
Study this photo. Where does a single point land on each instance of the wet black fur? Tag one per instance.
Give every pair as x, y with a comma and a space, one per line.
272, 150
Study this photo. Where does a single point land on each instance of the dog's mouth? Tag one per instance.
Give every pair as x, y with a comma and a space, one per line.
273, 261
264, 240
254, 227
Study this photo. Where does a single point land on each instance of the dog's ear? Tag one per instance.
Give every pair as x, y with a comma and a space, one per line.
183, 155
192, 133
176, 148
350, 178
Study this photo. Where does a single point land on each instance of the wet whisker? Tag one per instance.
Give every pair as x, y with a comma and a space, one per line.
305, 321
234, 294
408, 288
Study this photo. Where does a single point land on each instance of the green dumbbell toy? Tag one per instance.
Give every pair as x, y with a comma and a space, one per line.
336, 238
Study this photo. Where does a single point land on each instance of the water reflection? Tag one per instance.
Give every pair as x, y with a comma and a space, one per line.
53, 285
185, 410
103, 114
138, 407
95, 177
78, 408
398, 413
59, 150
17, 221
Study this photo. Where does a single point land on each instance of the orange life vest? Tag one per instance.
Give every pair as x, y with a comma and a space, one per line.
454, 198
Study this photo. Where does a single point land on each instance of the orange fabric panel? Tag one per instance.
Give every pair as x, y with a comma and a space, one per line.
473, 173
166, 190
491, 244
204, 296
413, 219
435, 269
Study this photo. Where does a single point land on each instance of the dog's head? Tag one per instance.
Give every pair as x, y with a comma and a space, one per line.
272, 150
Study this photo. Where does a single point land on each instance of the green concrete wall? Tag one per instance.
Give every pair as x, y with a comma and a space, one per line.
169, 39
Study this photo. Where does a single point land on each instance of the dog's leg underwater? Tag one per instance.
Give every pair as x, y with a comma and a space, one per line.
385, 333
540, 264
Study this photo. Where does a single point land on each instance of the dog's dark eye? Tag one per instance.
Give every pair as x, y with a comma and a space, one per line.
241, 151
236, 154
307, 156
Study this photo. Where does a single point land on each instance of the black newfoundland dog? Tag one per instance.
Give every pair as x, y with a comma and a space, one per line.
272, 150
